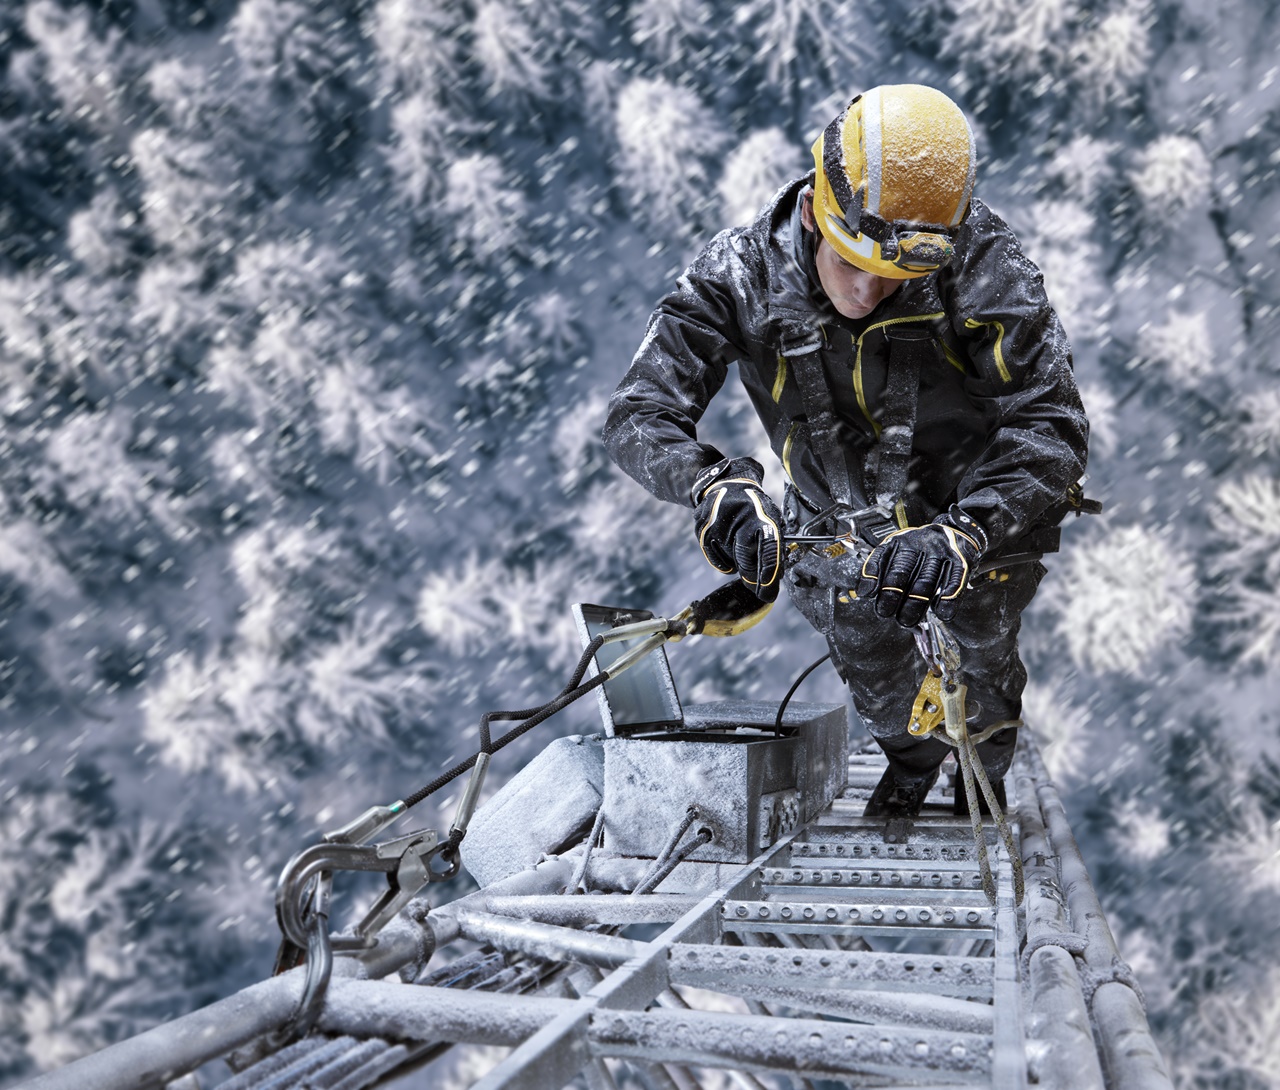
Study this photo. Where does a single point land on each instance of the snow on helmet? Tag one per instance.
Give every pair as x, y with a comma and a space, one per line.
894, 175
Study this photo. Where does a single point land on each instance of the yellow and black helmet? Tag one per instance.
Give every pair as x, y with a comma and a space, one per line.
894, 175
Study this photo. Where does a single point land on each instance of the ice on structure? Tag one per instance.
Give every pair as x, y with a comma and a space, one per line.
541, 809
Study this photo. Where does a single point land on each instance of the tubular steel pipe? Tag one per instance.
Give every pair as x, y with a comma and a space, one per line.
1129, 1052
1058, 1017
541, 940
373, 1008
744, 1042
160, 1055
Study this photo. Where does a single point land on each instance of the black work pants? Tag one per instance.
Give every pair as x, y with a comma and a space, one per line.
879, 661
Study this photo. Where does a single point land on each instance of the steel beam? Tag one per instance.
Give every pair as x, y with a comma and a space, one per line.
721, 968
814, 917
885, 877
803, 1045
611, 909
374, 1008
547, 941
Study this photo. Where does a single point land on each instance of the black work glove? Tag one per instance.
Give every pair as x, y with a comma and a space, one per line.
923, 566
739, 527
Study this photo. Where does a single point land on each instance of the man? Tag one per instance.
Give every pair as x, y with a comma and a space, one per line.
917, 387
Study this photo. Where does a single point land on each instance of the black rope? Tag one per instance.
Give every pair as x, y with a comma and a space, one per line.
531, 716
574, 681
782, 708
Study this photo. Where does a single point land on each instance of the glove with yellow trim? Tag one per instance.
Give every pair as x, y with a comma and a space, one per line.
739, 527
923, 566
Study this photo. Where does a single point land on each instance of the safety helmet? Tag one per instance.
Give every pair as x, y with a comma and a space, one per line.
894, 175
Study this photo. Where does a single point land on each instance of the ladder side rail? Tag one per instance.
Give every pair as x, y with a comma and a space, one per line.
1056, 1011
1130, 1057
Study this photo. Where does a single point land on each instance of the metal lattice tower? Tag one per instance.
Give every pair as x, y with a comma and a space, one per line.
851, 961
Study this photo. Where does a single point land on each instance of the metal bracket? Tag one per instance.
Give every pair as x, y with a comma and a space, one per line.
406, 860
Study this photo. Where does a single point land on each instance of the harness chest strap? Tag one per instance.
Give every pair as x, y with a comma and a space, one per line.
884, 474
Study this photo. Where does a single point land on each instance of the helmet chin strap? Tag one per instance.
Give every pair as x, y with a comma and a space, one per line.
809, 254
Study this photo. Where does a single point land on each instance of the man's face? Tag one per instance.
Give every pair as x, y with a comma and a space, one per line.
853, 293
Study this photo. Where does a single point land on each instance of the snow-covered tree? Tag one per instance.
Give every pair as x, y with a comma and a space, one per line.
508, 50
1246, 518
670, 30
1063, 242
304, 54
791, 36
1083, 166
1132, 592
486, 207
353, 688
419, 48
1141, 832
423, 132
1104, 427
85, 69
453, 605
667, 138
1180, 348
1250, 852
1112, 56
753, 172
376, 426
90, 464
1062, 728
1020, 41
1260, 431
190, 191
1171, 176
1240, 1030
101, 235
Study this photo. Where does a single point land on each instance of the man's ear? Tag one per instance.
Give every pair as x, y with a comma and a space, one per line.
806, 209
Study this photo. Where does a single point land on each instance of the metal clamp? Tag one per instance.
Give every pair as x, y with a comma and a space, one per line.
406, 860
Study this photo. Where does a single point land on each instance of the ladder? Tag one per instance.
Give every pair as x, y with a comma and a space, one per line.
833, 958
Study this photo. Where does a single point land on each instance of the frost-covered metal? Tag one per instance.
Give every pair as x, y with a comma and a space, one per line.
831, 954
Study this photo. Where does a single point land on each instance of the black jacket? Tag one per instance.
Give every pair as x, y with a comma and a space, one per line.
1000, 429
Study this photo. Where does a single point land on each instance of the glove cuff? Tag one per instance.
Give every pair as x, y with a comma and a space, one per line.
963, 524
728, 467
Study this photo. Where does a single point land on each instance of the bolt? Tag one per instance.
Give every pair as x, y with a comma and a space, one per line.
973, 917
786, 913
925, 915
764, 912
742, 910
831, 914
877, 913
808, 913
901, 914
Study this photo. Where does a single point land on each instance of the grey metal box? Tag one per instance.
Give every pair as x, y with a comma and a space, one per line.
751, 788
